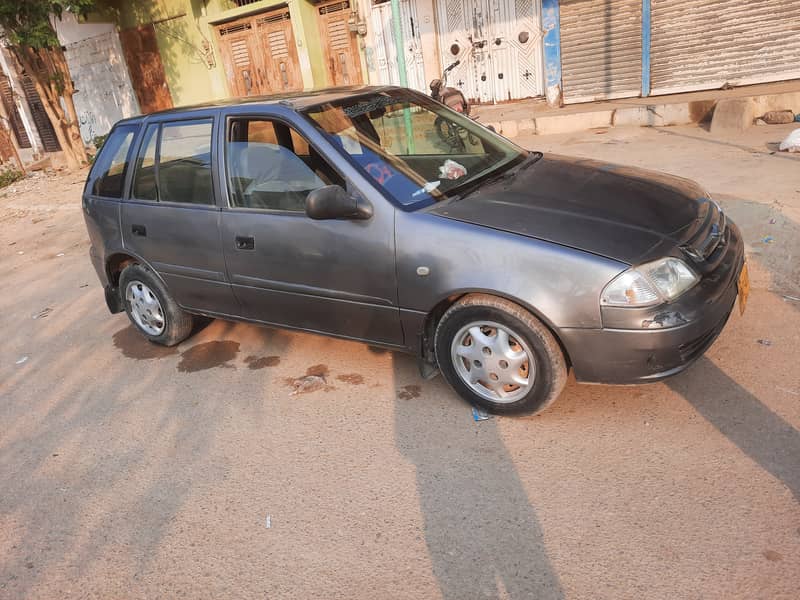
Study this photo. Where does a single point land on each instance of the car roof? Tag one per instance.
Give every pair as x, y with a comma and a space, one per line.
295, 100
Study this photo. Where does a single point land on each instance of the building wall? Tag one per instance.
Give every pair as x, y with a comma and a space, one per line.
184, 44
7, 65
104, 92
306, 32
426, 24
185, 31
430, 42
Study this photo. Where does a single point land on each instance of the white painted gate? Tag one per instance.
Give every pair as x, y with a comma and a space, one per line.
98, 70
499, 44
386, 52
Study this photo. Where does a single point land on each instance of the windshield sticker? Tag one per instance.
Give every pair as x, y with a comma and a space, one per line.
350, 144
363, 108
427, 188
452, 170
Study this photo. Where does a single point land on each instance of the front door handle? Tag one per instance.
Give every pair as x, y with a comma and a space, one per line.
139, 230
245, 242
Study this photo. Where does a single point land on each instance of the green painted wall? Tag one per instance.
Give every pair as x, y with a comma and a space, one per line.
308, 18
182, 40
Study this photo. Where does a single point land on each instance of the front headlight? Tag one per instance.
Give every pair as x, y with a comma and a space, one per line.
651, 283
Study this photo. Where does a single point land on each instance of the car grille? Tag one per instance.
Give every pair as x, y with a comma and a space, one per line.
712, 237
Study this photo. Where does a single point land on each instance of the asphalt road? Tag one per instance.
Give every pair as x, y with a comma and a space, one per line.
132, 471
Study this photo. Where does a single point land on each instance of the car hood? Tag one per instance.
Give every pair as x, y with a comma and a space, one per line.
624, 213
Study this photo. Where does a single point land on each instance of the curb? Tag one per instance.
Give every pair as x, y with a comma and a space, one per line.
729, 114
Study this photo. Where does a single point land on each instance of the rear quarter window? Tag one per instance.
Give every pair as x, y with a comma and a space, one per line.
107, 176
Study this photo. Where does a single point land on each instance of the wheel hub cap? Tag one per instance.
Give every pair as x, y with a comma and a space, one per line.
493, 361
145, 308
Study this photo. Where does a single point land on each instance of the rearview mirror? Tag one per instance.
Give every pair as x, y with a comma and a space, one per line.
333, 202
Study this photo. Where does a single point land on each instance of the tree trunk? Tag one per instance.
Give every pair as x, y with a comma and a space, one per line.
68, 92
46, 80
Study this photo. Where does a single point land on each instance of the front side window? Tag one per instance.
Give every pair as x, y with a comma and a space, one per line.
174, 163
108, 173
272, 167
416, 150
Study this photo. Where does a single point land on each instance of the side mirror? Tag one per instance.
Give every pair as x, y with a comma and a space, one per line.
333, 202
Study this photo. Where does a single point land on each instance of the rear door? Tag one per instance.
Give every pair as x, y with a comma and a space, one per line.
171, 219
334, 276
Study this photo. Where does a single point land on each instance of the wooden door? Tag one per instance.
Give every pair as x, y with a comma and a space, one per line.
260, 55
339, 44
279, 51
240, 56
14, 118
147, 71
43, 124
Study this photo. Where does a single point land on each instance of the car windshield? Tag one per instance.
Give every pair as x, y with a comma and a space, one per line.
417, 150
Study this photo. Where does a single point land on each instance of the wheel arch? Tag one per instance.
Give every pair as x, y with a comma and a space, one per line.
118, 260
436, 313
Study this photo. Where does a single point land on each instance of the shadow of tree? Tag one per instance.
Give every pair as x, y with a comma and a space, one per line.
482, 533
747, 422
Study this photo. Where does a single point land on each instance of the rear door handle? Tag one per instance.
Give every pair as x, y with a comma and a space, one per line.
245, 242
139, 230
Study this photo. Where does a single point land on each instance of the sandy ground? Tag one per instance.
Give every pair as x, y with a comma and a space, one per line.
131, 471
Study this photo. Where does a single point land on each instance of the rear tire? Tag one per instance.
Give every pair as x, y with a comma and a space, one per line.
150, 307
498, 356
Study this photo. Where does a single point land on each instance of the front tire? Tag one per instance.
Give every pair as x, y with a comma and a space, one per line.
498, 356
150, 307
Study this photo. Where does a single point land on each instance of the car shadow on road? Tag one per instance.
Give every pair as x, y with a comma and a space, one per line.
483, 535
761, 434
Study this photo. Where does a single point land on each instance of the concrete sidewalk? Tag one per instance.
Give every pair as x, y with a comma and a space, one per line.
731, 110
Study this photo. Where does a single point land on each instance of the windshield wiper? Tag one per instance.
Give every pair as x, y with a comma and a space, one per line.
468, 187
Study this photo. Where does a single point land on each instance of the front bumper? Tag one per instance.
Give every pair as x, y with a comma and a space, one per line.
644, 345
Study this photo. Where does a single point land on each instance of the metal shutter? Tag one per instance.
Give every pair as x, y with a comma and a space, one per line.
601, 49
40, 118
702, 44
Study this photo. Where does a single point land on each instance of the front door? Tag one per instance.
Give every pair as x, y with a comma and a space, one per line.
170, 218
339, 44
260, 55
499, 45
336, 276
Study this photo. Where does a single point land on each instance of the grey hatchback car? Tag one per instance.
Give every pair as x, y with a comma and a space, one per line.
379, 215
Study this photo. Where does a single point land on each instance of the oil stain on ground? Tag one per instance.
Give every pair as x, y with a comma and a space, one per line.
409, 392
772, 556
259, 362
315, 379
134, 345
351, 378
207, 356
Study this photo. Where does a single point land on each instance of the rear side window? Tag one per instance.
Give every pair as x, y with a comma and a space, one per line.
107, 177
174, 163
144, 183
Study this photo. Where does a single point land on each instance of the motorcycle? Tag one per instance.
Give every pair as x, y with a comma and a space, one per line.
449, 132
451, 97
